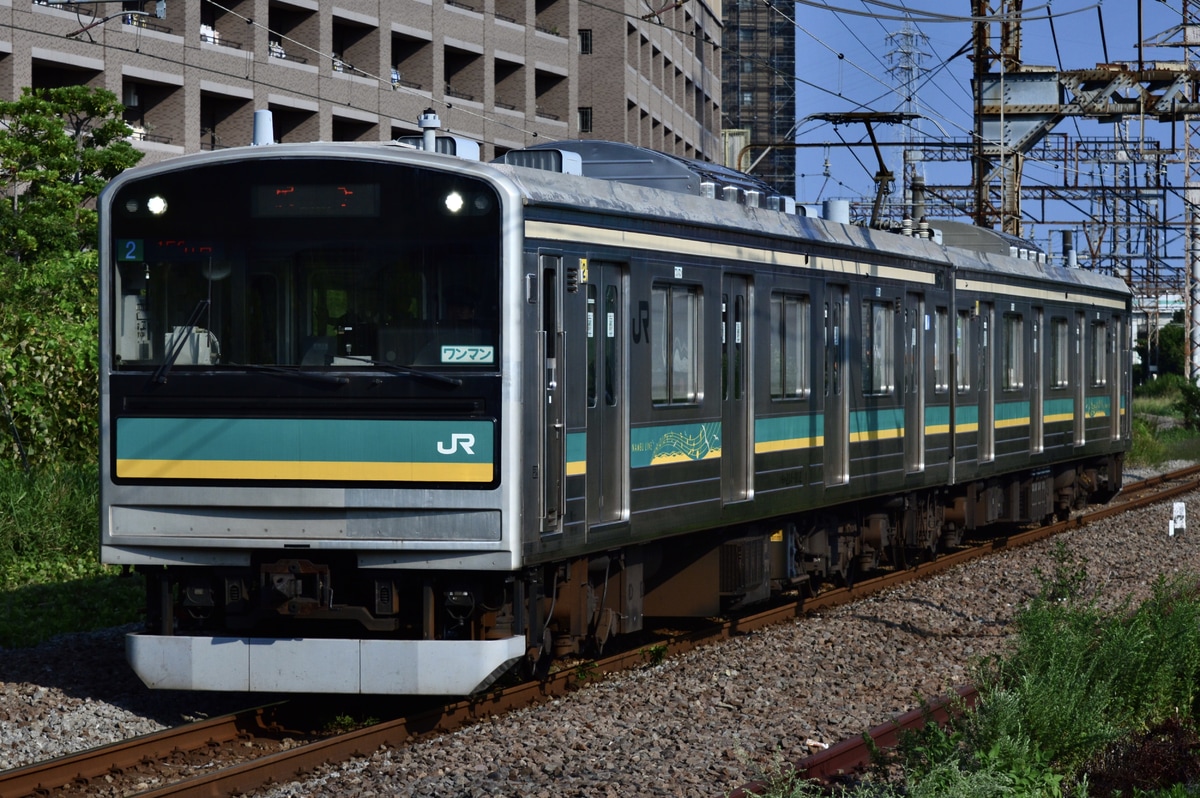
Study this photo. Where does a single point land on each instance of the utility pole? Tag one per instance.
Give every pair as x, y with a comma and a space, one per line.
1003, 150
1191, 195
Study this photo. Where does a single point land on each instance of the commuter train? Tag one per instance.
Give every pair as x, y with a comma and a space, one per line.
379, 419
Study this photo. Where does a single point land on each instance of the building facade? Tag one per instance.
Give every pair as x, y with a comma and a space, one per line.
650, 75
507, 73
758, 77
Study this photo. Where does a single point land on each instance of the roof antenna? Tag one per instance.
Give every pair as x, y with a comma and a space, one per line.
429, 124
264, 129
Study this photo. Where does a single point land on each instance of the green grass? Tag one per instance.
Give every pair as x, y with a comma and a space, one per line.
51, 580
1079, 706
1158, 436
1075, 684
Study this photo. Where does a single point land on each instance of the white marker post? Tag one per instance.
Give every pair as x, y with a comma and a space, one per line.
1178, 519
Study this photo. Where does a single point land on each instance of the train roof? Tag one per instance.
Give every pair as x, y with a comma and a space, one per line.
613, 194
627, 199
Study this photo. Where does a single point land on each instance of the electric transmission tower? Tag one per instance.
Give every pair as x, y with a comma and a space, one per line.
906, 62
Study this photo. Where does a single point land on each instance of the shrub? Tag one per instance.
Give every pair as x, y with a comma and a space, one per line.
48, 358
1166, 385
1188, 405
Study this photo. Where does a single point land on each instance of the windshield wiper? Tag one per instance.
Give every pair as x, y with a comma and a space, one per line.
316, 376
396, 368
179, 342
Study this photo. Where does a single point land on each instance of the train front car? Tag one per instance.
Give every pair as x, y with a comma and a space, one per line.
304, 421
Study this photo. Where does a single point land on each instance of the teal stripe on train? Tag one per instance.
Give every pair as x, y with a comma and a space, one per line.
1097, 407
576, 453
673, 443
937, 420
785, 433
876, 424
302, 440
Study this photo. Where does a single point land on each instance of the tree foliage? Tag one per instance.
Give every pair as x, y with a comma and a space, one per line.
1169, 357
58, 148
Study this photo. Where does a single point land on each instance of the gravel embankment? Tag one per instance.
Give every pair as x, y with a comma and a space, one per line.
701, 724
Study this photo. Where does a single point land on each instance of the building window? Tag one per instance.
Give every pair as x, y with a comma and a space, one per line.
675, 327
585, 120
585, 41
789, 347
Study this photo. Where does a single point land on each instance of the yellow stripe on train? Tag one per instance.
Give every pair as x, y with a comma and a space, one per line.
876, 435
304, 470
789, 444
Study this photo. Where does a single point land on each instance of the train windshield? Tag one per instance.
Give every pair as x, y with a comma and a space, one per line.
305, 262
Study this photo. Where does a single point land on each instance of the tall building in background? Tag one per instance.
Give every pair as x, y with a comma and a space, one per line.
504, 72
650, 75
758, 74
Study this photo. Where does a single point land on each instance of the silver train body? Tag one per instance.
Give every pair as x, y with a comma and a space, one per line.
381, 420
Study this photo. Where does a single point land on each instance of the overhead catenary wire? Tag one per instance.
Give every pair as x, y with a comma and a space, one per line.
931, 16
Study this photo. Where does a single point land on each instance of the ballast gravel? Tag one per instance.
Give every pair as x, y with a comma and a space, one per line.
701, 724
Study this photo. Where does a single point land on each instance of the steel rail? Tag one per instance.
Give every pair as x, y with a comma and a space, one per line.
42, 778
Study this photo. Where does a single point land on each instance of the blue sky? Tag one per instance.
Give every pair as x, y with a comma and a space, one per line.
842, 64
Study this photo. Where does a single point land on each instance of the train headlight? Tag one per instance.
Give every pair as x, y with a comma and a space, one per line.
156, 205
470, 204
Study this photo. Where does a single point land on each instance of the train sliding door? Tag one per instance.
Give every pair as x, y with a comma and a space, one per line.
608, 469
1079, 378
1037, 424
737, 473
546, 288
914, 383
1116, 335
987, 378
836, 446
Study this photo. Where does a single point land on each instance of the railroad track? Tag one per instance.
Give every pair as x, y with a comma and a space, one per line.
245, 751
853, 755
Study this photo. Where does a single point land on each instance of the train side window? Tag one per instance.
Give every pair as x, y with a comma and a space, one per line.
878, 348
962, 348
1013, 352
941, 345
1098, 351
1060, 348
675, 325
790, 319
